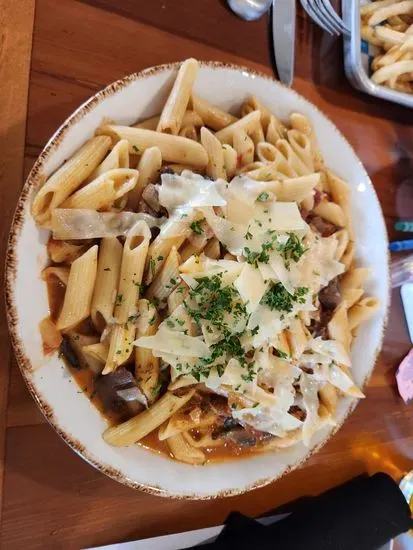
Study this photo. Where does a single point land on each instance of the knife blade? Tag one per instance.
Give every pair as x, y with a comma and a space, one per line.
283, 37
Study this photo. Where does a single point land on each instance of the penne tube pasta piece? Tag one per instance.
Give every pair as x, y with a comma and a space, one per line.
294, 161
144, 423
266, 152
173, 148
307, 204
60, 273
205, 441
352, 295
343, 239
348, 257
148, 168
188, 249
98, 351
301, 146
51, 337
257, 135
214, 117
174, 110
331, 212
120, 347
146, 364
78, 341
340, 192
182, 450
252, 167
191, 118
282, 343
134, 255
117, 158
302, 124
297, 338
68, 178
184, 422
247, 124
338, 327
107, 281
244, 146
329, 398
177, 297
104, 190
78, 298
354, 278
64, 252
253, 104
294, 189
167, 278
189, 132
230, 161
275, 130
215, 167
158, 252
362, 311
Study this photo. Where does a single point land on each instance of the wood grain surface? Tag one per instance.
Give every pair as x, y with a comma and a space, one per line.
51, 498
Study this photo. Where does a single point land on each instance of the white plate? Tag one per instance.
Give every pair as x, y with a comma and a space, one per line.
70, 413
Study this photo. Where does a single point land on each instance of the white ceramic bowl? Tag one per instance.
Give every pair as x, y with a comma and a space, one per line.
70, 412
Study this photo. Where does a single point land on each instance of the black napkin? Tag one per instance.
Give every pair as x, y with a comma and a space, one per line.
362, 514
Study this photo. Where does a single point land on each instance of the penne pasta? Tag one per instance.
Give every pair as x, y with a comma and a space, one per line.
275, 131
177, 102
338, 327
51, 337
354, 278
79, 291
173, 148
247, 124
253, 104
167, 277
183, 451
215, 167
331, 212
301, 146
148, 168
244, 146
266, 152
294, 161
146, 364
213, 117
362, 311
103, 191
120, 346
117, 158
352, 295
98, 351
190, 118
302, 124
64, 252
144, 423
107, 281
230, 160
134, 255
68, 178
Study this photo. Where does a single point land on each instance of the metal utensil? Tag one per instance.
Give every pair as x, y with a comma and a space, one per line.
322, 13
250, 10
283, 36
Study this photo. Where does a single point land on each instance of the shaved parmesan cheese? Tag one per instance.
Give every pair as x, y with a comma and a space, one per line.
250, 286
284, 216
332, 350
230, 234
309, 391
188, 190
175, 343
74, 223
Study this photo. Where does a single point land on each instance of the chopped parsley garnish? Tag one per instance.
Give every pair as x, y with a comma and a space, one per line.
136, 149
279, 299
153, 320
248, 235
132, 318
119, 299
170, 323
280, 353
156, 389
263, 197
107, 269
293, 249
196, 227
159, 258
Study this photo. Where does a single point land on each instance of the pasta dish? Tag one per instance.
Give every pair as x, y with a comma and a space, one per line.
202, 284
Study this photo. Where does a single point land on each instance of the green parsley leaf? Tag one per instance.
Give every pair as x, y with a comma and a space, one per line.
196, 227
263, 197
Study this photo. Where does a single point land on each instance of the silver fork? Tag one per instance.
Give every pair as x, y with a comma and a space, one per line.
322, 12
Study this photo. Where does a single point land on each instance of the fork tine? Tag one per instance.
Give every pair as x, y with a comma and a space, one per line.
324, 14
314, 16
334, 15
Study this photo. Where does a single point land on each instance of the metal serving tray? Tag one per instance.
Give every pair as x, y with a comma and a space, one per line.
358, 55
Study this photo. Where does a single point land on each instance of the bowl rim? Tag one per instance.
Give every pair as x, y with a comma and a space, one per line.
23, 361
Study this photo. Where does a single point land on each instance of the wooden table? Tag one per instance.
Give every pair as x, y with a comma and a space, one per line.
53, 56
